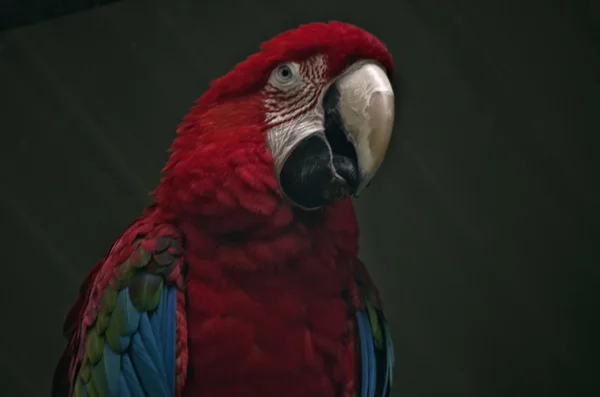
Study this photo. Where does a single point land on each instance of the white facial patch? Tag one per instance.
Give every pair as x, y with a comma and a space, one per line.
293, 111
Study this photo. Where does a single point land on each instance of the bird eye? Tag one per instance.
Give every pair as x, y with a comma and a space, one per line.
283, 74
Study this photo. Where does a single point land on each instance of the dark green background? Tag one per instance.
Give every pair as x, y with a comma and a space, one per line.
480, 230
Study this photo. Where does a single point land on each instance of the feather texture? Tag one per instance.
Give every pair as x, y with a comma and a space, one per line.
376, 359
268, 285
367, 350
137, 355
128, 341
375, 343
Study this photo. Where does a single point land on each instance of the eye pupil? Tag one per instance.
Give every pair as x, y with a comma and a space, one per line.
285, 72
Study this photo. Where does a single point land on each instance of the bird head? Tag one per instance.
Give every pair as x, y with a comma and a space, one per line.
305, 121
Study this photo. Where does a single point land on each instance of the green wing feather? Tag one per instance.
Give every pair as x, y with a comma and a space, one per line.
135, 288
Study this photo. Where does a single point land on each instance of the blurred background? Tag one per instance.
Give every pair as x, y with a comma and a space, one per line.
481, 229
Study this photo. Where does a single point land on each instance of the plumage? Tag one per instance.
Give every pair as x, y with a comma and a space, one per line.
377, 355
133, 355
225, 285
129, 313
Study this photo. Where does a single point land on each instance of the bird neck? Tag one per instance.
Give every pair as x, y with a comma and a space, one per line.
255, 242
220, 187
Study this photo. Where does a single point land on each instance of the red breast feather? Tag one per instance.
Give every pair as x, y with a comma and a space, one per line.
269, 287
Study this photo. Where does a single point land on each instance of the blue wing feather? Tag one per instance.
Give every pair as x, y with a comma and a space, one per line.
362, 334
377, 360
170, 337
369, 363
146, 338
126, 312
157, 316
130, 378
123, 387
140, 363
152, 381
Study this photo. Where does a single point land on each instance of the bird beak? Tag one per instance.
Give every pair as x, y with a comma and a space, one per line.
340, 158
366, 110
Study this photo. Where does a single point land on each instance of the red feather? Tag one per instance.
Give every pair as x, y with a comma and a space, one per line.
269, 288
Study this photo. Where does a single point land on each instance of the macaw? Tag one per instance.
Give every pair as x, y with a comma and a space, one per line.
242, 277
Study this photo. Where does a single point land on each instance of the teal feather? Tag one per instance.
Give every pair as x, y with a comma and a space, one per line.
130, 378
123, 387
376, 353
150, 343
152, 380
138, 354
368, 360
